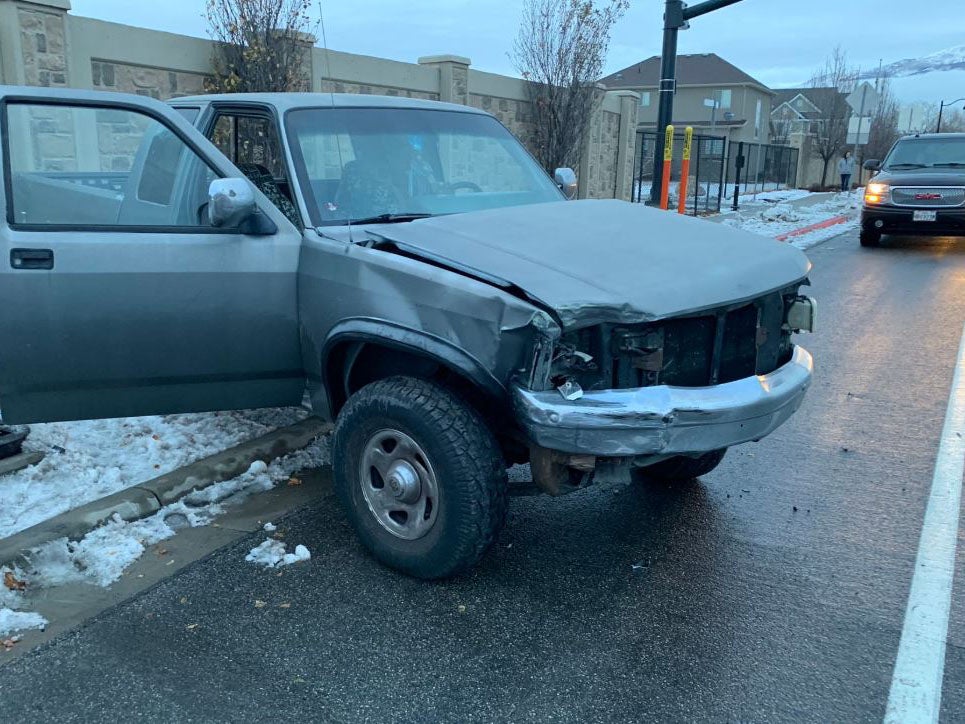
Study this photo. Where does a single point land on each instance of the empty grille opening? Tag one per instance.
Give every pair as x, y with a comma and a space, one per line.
688, 352
738, 354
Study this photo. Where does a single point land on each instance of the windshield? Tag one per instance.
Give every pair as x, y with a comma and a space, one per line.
927, 152
361, 164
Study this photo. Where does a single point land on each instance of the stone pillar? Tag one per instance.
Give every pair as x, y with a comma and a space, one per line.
629, 103
591, 153
802, 142
33, 43
453, 77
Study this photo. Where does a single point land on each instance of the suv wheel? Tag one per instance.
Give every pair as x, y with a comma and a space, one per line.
681, 468
868, 237
420, 476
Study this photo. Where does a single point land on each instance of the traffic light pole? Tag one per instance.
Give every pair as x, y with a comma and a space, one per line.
675, 18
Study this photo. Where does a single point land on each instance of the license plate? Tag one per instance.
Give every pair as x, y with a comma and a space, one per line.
924, 215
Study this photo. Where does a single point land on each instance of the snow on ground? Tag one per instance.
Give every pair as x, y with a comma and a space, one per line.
782, 218
272, 554
89, 459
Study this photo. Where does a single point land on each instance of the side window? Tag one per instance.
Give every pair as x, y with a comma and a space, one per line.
83, 166
252, 144
249, 141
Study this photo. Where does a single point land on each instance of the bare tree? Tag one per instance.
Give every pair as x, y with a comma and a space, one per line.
953, 120
832, 131
884, 124
262, 45
560, 50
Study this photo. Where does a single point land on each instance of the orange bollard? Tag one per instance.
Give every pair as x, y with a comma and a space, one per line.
667, 158
685, 170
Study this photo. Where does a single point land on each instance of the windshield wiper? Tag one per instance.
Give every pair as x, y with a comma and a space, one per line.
390, 218
949, 164
908, 165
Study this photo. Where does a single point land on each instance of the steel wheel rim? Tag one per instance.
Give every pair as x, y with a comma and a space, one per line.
399, 484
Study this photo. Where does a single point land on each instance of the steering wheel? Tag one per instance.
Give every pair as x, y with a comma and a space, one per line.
469, 185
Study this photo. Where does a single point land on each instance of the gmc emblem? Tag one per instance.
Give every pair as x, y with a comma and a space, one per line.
928, 197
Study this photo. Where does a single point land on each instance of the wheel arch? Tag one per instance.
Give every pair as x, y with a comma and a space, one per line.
355, 342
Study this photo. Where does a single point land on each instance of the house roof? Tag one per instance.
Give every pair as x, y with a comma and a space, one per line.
699, 69
822, 98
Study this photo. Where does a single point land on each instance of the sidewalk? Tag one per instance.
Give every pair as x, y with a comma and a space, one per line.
800, 218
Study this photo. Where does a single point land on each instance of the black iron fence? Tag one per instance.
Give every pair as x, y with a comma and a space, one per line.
707, 165
762, 167
713, 169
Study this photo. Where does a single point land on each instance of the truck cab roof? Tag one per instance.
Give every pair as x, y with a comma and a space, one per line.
290, 101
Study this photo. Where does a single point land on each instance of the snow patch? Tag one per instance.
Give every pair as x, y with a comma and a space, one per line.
782, 218
88, 459
271, 554
103, 555
11, 621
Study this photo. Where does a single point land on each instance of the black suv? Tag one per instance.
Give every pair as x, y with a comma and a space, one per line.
920, 189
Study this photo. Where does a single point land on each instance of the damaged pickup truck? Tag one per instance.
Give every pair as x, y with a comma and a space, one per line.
412, 266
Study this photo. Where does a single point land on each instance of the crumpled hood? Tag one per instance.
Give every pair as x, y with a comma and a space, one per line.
605, 261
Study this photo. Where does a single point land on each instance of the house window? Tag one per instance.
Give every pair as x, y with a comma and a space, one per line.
725, 98
644, 99
757, 121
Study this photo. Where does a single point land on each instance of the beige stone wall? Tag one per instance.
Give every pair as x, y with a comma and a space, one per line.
159, 83
516, 115
42, 44
338, 86
43, 47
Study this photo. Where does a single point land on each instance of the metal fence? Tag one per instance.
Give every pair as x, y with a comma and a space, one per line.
707, 163
766, 167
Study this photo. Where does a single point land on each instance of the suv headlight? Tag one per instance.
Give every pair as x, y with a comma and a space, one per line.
876, 193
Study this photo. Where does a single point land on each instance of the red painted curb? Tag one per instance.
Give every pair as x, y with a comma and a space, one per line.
814, 227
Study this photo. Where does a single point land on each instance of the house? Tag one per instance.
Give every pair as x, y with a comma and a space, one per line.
803, 110
810, 119
713, 96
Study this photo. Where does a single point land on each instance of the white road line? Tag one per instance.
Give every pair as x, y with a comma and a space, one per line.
916, 685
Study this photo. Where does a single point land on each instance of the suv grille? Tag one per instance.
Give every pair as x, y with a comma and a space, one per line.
698, 351
928, 196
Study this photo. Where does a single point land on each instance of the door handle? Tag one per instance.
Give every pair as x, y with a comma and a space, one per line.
32, 258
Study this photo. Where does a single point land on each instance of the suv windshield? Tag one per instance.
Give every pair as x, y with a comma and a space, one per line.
358, 164
927, 152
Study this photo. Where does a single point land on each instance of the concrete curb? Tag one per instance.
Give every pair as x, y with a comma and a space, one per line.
813, 227
144, 499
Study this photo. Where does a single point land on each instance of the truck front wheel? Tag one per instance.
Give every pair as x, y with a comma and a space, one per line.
420, 476
681, 468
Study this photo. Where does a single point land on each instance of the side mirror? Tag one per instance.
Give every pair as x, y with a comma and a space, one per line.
872, 164
230, 202
566, 179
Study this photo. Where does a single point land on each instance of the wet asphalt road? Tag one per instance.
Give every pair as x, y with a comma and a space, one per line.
772, 590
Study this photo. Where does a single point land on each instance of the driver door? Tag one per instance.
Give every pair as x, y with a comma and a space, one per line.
117, 298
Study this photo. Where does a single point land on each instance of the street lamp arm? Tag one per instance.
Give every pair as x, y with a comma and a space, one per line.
706, 7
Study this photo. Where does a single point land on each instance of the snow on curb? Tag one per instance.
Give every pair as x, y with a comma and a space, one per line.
96, 542
802, 226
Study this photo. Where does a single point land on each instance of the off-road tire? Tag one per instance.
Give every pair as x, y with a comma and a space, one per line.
681, 468
462, 451
869, 238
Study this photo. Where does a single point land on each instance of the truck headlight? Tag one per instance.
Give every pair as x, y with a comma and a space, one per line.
801, 314
876, 193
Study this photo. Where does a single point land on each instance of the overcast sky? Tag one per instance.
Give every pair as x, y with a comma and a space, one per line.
777, 41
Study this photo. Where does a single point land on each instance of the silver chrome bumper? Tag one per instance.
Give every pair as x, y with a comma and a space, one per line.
665, 420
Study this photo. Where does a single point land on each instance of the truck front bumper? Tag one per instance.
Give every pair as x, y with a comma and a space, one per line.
664, 420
